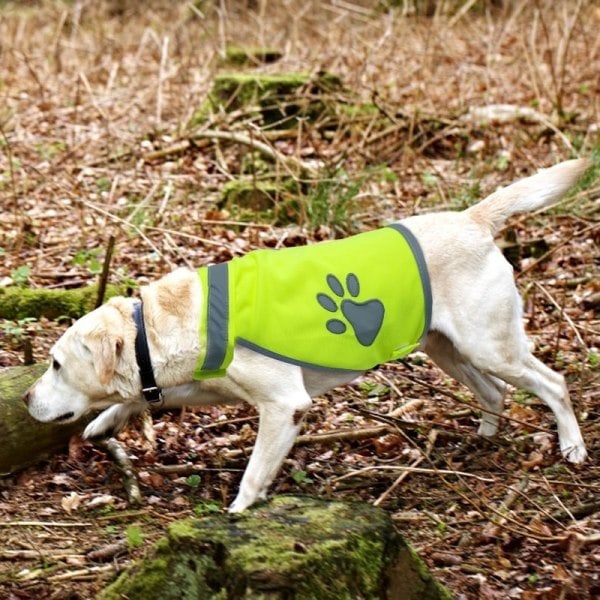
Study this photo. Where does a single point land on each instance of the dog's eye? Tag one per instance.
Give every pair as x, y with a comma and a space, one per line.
55, 364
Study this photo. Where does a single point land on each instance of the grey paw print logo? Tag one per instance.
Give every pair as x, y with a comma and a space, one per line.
365, 318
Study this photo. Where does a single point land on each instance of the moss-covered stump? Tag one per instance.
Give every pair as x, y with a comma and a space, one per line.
275, 202
21, 303
23, 440
241, 57
279, 98
292, 548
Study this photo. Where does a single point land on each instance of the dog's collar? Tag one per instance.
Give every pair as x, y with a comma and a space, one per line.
152, 393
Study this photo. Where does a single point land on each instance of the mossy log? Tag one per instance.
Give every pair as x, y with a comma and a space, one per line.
296, 548
23, 440
20, 303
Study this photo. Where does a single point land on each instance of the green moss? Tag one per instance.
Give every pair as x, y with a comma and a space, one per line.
236, 56
20, 303
300, 548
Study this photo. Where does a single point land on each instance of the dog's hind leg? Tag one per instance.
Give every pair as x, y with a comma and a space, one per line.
535, 377
488, 390
505, 355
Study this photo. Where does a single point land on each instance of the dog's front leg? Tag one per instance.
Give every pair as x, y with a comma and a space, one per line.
113, 419
279, 423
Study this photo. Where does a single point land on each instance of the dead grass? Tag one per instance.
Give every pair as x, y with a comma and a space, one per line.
91, 95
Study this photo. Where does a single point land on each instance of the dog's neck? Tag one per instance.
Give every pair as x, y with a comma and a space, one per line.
171, 318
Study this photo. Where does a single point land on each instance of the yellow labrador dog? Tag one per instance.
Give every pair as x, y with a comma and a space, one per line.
475, 335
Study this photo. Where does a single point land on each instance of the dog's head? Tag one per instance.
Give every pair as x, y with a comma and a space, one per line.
91, 366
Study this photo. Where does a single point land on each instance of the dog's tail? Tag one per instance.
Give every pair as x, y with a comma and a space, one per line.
543, 189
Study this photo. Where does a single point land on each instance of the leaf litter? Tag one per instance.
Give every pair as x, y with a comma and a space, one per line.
96, 101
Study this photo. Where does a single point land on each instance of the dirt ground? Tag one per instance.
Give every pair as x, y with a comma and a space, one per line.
95, 137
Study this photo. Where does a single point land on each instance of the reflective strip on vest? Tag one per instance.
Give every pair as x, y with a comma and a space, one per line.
348, 304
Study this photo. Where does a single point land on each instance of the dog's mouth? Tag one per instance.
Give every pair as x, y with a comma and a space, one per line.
64, 417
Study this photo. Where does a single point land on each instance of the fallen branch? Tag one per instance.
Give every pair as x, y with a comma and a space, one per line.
341, 435
294, 165
107, 552
114, 448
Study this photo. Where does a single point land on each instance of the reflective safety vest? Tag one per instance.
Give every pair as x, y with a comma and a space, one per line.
348, 304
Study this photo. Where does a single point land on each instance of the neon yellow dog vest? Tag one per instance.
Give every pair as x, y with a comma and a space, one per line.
346, 305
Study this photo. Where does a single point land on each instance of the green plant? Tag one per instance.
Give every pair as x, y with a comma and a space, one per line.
135, 536
103, 184
15, 331
89, 259
441, 528
593, 359
332, 202
20, 275
193, 481
206, 508
110, 529
301, 477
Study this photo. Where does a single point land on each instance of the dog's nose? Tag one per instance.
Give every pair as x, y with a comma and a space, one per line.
27, 397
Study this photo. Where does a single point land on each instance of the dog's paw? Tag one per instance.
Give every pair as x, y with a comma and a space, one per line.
365, 318
575, 454
237, 506
487, 429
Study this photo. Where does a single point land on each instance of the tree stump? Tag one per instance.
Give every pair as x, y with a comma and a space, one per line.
293, 547
23, 440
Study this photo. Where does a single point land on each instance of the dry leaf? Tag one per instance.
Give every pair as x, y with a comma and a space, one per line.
71, 502
560, 574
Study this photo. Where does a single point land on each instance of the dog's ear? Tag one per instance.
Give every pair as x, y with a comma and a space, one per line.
105, 349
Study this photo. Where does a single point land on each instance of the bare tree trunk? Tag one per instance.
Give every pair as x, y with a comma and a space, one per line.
23, 440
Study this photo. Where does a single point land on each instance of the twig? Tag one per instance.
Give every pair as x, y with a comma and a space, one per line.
577, 512
37, 554
127, 224
11, 168
342, 435
430, 443
164, 53
326, 438
105, 270
460, 13
44, 524
289, 162
365, 470
552, 250
107, 551
81, 573
114, 448
562, 314
499, 518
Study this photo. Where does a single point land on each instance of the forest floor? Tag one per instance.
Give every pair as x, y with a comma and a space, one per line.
96, 106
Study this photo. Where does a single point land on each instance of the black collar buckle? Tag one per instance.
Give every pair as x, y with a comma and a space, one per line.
152, 393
